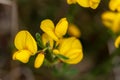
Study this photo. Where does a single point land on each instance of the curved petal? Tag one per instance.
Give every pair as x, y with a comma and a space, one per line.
39, 60
46, 38
114, 5
117, 42
75, 60
116, 25
83, 3
76, 44
94, 3
24, 40
71, 1
55, 51
20, 40
22, 55
72, 53
61, 28
65, 44
68, 44
48, 27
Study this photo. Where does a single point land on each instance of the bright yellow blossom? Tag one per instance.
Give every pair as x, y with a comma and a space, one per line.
70, 48
26, 46
111, 20
54, 32
39, 60
117, 42
114, 5
85, 3
74, 31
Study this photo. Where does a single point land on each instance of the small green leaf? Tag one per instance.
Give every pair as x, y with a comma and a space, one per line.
39, 40
62, 56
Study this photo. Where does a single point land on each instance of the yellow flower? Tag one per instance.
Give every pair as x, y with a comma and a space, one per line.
111, 20
85, 3
117, 42
54, 32
39, 60
114, 5
70, 48
74, 31
46, 38
26, 46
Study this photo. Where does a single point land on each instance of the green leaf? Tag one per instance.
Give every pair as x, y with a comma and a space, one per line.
62, 56
39, 40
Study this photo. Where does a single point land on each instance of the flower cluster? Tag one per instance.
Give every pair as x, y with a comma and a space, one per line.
111, 19
85, 3
51, 46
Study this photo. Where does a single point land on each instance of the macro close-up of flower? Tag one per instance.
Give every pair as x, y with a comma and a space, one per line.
55, 32
72, 49
59, 39
26, 46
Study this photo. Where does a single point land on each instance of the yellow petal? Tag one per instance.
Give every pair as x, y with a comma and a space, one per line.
71, 1
94, 3
75, 60
24, 40
117, 42
46, 38
83, 3
108, 18
114, 5
61, 27
39, 60
48, 27
116, 25
22, 55
76, 44
74, 55
55, 51
74, 31
66, 44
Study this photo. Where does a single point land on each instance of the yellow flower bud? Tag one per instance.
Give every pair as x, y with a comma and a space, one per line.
74, 31
39, 60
